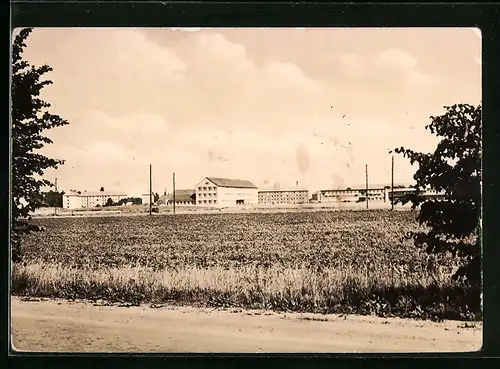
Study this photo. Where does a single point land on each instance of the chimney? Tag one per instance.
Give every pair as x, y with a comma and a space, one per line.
297, 184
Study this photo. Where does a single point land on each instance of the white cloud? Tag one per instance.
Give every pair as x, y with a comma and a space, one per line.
289, 75
387, 66
136, 123
186, 29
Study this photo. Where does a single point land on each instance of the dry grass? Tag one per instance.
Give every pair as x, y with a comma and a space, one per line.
350, 262
325, 291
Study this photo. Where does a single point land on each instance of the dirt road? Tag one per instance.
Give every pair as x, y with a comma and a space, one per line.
63, 326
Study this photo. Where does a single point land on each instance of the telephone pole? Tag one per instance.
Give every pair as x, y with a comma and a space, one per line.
173, 189
150, 188
392, 184
55, 199
366, 171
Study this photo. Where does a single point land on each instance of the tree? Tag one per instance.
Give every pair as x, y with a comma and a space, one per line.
156, 197
109, 202
455, 169
30, 118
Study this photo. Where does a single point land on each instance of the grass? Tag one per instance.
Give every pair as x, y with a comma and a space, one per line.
323, 262
300, 290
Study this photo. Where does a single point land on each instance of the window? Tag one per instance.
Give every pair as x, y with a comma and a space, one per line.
204, 188
209, 201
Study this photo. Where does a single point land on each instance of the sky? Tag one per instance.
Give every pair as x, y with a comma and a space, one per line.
274, 106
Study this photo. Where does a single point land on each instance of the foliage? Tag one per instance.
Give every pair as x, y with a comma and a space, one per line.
352, 261
109, 202
51, 199
133, 200
30, 118
455, 169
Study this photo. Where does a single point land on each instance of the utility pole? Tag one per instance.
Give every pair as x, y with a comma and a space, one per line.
150, 188
366, 170
55, 200
173, 188
392, 184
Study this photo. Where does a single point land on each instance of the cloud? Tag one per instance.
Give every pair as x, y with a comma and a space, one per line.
135, 123
186, 29
289, 75
388, 66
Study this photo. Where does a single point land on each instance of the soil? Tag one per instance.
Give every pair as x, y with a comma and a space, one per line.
40, 325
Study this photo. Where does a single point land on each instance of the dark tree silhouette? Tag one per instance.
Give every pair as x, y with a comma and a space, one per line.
455, 168
30, 118
156, 197
109, 202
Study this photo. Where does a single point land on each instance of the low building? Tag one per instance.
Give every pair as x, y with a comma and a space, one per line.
402, 192
78, 199
145, 198
290, 196
225, 192
183, 197
349, 195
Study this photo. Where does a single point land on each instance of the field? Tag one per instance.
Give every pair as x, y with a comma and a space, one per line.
318, 262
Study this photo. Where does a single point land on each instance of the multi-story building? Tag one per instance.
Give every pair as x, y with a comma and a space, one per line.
401, 192
183, 197
78, 199
290, 196
349, 195
224, 192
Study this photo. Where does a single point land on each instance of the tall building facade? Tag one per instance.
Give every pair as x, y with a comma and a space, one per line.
277, 197
225, 192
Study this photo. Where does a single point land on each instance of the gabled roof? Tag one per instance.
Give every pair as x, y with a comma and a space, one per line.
227, 182
183, 195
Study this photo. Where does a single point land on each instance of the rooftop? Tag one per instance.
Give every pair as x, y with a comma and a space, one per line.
182, 195
286, 190
95, 193
227, 182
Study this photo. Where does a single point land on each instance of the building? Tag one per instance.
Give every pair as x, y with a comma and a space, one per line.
290, 196
349, 195
401, 192
145, 198
223, 192
183, 197
78, 199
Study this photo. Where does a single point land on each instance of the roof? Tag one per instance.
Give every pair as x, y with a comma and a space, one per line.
227, 182
95, 193
182, 195
354, 189
287, 190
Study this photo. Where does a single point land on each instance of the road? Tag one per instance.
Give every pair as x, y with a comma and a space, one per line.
65, 326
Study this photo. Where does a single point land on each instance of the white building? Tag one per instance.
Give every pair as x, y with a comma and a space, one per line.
427, 193
349, 195
224, 192
78, 199
145, 198
290, 196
